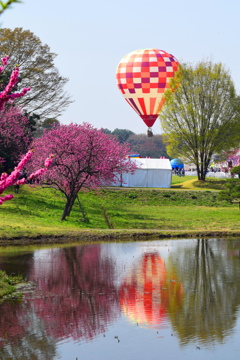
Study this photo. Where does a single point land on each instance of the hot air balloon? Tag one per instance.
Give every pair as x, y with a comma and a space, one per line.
177, 163
142, 77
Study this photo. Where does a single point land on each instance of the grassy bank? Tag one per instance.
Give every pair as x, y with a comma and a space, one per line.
8, 286
189, 207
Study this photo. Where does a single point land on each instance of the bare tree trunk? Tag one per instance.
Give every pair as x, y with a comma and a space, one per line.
68, 206
201, 171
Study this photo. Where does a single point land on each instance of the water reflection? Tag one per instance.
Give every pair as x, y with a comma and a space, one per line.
78, 298
149, 290
211, 284
74, 298
190, 287
16, 263
23, 335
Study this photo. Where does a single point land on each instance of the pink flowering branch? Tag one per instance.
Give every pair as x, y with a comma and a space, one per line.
13, 179
6, 95
40, 171
4, 63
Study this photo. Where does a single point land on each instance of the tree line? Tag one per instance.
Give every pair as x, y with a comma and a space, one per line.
141, 144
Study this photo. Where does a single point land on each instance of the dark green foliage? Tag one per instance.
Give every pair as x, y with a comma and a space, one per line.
236, 170
121, 134
106, 131
132, 196
231, 192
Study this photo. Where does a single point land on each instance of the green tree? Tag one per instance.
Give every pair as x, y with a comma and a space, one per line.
122, 134
107, 131
36, 61
236, 170
202, 117
208, 274
147, 146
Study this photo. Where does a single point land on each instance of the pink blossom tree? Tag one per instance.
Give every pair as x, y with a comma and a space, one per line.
6, 94
84, 157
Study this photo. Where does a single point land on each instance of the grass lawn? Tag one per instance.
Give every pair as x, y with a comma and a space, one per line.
190, 206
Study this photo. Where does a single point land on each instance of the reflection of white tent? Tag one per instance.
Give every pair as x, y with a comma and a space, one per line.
156, 173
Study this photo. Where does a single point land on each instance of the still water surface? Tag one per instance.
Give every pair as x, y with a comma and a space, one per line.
164, 299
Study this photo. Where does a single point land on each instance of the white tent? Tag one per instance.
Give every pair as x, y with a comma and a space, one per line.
152, 173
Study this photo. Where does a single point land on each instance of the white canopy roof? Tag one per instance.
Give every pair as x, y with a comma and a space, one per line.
149, 163
155, 173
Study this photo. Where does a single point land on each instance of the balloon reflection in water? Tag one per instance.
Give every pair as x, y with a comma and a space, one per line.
147, 293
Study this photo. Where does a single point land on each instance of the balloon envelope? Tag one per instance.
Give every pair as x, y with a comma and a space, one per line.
142, 77
177, 163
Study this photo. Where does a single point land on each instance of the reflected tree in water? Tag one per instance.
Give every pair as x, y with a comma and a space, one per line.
75, 297
79, 299
15, 263
212, 292
233, 249
23, 335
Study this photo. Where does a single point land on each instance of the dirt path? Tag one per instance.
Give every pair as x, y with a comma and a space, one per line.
185, 185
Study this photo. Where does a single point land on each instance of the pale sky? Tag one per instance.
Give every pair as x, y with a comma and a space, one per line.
91, 37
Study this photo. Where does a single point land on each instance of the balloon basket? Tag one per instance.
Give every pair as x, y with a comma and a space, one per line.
149, 132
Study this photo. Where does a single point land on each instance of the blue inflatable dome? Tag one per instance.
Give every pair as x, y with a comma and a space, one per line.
176, 163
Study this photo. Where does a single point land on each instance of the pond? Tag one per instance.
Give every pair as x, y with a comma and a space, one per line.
163, 299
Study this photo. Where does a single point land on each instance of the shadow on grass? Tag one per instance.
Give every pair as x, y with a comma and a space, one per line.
33, 203
179, 186
211, 184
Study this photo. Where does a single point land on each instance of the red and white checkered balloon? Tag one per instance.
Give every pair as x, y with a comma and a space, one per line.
143, 76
